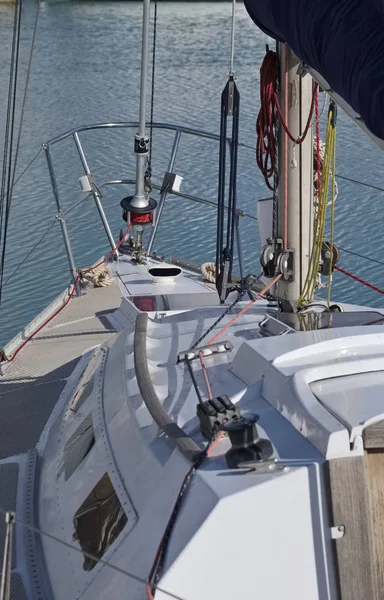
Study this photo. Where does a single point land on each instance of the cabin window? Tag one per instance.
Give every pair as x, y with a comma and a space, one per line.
99, 521
86, 382
78, 447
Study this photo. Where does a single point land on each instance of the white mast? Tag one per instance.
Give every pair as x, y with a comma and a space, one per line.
140, 199
138, 209
295, 190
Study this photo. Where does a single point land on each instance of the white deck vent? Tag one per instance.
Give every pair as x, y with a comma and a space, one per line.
164, 274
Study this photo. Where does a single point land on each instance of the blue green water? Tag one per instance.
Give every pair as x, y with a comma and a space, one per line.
86, 70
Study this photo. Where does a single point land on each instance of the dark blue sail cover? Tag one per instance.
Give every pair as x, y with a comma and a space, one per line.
341, 39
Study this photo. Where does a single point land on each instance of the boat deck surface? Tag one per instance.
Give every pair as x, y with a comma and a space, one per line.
30, 388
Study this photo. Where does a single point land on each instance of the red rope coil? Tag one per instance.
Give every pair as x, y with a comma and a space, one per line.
318, 161
265, 123
141, 218
266, 119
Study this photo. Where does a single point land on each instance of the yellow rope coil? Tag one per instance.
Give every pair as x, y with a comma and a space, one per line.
321, 213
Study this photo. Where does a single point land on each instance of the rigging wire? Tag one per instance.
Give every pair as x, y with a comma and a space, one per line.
9, 133
8, 119
148, 173
364, 183
84, 553
369, 185
12, 170
24, 260
29, 68
26, 168
80, 273
374, 260
232, 60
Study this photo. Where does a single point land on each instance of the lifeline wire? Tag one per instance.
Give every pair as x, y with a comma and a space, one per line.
148, 172
11, 179
49, 228
374, 260
26, 168
83, 552
80, 273
25, 97
9, 133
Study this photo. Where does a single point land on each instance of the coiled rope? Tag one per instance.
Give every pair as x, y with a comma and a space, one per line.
208, 271
327, 171
266, 120
99, 277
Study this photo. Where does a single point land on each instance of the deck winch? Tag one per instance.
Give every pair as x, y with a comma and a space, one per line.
139, 217
138, 209
247, 445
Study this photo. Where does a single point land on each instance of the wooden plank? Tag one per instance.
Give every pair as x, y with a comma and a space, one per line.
375, 469
373, 436
350, 508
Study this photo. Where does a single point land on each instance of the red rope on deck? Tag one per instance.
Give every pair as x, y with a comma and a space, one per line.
243, 310
78, 277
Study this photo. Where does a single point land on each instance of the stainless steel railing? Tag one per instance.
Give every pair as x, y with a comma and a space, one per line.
95, 193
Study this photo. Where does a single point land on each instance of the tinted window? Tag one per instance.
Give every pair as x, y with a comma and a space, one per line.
99, 521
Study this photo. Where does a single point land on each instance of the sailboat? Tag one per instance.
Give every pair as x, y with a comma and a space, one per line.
175, 431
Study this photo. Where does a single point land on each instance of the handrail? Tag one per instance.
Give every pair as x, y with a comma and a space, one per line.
94, 190
131, 124
239, 211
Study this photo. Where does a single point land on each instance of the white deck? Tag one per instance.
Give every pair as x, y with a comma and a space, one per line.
272, 529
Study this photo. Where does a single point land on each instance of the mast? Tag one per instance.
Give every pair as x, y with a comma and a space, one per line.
140, 199
138, 209
295, 191
294, 224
